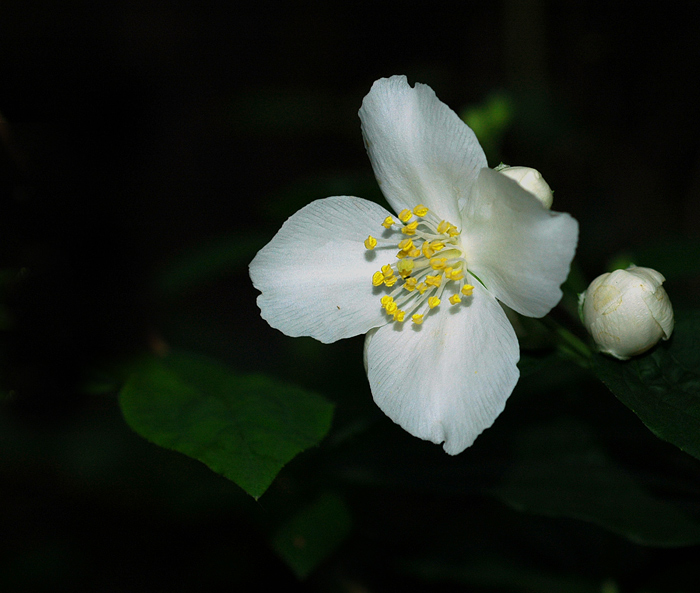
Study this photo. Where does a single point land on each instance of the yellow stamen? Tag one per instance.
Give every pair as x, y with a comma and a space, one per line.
388, 221
377, 279
467, 290
410, 284
385, 300
415, 252
443, 226
391, 307
406, 245
421, 287
405, 267
390, 281
433, 280
410, 229
454, 299
370, 242
438, 263
455, 275
405, 215
433, 302
420, 210
437, 245
399, 315
428, 250
387, 271
417, 319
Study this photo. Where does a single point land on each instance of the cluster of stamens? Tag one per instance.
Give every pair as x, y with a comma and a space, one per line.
429, 258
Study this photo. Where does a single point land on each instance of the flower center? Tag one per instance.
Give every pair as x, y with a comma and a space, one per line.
430, 257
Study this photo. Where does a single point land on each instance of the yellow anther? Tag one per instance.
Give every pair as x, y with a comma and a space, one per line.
422, 287
427, 249
387, 271
433, 280
399, 315
443, 226
454, 299
433, 302
453, 231
410, 284
406, 245
410, 229
467, 290
420, 210
388, 221
405, 267
437, 245
391, 307
370, 242
405, 215
401, 255
417, 319
415, 252
390, 281
386, 299
438, 263
378, 279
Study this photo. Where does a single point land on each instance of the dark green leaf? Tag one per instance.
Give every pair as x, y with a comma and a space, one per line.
209, 262
663, 386
244, 427
313, 534
674, 258
499, 574
562, 472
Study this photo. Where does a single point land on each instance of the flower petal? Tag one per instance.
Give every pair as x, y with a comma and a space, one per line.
315, 275
421, 151
519, 250
447, 379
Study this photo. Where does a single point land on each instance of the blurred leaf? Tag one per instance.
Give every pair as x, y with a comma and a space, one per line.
313, 534
562, 472
675, 258
663, 386
490, 120
244, 427
209, 262
499, 574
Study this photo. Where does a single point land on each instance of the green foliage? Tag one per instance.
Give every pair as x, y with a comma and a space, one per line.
562, 471
313, 534
663, 386
209, 262
244, 427
490, 120
675, 258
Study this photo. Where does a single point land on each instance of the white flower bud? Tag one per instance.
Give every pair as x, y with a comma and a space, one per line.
531, 180
627, 311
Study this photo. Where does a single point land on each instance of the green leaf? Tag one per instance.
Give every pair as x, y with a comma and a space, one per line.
208, 262
313, 534
562, 472
675, 258
244, 427
663, 386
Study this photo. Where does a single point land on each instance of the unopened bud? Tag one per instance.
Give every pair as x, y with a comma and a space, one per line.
627, 311
531, 180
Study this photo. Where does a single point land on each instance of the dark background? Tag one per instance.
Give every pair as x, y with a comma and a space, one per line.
133, 132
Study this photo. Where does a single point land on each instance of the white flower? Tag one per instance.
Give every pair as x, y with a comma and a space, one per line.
532, 181
627, 311
440, 353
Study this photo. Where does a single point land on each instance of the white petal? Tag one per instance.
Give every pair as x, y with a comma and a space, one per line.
448, 379
421, 151
520, 250
315, 275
